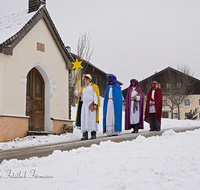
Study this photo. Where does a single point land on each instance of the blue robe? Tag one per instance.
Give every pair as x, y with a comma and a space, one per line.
117, 99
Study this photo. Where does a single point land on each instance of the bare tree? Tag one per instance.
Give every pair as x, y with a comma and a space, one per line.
83, 52
179, 85
83, 46
185, 69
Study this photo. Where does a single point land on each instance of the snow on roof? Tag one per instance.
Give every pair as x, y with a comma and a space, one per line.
12, 24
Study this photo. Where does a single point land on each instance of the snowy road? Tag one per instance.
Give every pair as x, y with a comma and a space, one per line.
45, 150
167, 162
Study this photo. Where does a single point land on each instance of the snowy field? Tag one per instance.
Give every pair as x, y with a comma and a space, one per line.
30, 141
167, 162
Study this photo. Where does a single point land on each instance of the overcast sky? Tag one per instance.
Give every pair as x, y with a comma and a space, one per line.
131, 38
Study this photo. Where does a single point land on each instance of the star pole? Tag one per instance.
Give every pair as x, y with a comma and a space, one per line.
77, 65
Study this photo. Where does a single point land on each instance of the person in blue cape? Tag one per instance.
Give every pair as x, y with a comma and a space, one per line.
112, 108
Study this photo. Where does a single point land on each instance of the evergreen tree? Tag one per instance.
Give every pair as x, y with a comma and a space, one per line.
193, 114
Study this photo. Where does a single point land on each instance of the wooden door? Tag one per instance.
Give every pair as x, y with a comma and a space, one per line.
35, 100
164, 114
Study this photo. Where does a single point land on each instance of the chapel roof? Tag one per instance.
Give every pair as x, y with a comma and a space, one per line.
14, 27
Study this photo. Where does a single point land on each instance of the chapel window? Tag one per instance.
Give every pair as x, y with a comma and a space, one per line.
38, 86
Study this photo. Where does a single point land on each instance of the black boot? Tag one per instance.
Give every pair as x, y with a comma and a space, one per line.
136, 130
84, 138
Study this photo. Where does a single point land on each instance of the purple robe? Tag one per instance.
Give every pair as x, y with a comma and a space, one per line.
128, 106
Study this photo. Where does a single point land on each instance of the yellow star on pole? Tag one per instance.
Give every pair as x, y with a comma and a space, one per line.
77, 65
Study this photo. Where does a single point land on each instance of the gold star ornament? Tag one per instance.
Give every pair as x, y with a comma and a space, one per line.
77, 65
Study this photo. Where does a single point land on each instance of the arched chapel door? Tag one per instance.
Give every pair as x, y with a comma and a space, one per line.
35, 100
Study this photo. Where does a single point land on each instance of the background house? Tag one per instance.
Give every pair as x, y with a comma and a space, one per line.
34, 74
172, 83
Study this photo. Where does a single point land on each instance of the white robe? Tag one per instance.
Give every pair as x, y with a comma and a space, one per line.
152, 109
88, 118
135, 116
110, 115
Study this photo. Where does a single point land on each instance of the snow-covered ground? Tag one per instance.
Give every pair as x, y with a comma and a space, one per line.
167, 162
30, 141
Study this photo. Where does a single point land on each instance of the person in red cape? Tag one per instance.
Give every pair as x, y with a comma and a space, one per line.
134, 107
153, 112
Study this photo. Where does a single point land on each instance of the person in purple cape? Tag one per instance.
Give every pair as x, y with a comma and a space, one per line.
112, 108
134, 107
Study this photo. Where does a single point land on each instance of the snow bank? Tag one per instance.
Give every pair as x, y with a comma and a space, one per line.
170, 162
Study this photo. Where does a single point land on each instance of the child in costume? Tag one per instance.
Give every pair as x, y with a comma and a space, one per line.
87, 116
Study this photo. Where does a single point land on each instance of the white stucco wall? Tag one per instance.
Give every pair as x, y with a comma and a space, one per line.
25, 57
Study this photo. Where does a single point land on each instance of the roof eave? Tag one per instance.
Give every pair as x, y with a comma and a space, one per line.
16, 38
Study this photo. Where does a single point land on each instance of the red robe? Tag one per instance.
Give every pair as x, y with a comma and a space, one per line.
158, 105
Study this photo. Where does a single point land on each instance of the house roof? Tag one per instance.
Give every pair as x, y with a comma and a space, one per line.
161, 72
14, 27
166, 69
